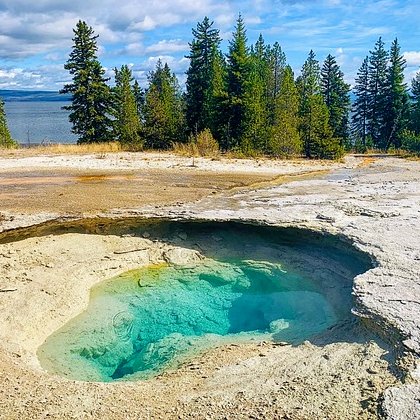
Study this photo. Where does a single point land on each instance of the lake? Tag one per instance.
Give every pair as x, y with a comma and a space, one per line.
39, 121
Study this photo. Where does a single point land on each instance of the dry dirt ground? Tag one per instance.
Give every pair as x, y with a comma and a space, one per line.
45, 281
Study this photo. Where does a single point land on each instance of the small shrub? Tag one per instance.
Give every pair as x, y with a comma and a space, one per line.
410, 142
206, 144
202, 144
8, 143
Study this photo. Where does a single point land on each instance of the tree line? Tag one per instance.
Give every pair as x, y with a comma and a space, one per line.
248, 99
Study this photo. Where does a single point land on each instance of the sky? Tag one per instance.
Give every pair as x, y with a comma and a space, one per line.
36, 36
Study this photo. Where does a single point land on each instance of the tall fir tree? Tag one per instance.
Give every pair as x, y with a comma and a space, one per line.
323, 143
397, 99
217, 102
316, 133
360, 116
164, 122
378, 60
308, 86
255, 133
238, 69
336, 93
6, 140
415, 104
203, 49
254, 127
277, 62
139, 98
127, 125
285, 139
91, 96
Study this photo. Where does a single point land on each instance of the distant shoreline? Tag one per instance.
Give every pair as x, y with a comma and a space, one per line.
33, 96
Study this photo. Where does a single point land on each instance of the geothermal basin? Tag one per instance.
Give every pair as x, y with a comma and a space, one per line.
218, 283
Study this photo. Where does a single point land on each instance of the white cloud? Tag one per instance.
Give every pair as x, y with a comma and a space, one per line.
412, 57
168, 46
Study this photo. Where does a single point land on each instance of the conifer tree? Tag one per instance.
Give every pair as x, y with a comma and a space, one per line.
164, 121
254, 130
255, 135
337, 98
397, 99
277, 62
323, 144
285, 139
415, 107
5, 137
237, 68
217, 102
202, 51
316, 133
139, 98
127, 122
308, 86
361, 104
91, 96
378, 60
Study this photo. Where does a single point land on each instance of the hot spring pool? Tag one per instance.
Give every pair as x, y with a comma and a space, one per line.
252, 283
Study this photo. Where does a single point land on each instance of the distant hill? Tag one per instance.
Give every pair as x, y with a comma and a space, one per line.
32, 96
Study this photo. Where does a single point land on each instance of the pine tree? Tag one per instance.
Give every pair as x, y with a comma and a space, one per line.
316, 133
217, 102
415, 107
323, 143
5, 137
139, 98
397, 99
127, 122
377, 94
238, 69
337, 98
285, 139
277, 62
361, 104
254, 123
164, 121
91, 96
308, 86
255, 133
202, 52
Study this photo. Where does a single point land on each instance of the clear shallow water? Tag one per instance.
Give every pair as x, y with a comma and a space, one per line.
39, 121
152, 319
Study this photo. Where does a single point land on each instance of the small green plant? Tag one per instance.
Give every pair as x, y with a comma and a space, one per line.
207, 144
410, 142
6, 141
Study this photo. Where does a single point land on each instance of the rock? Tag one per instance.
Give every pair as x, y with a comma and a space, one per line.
181, 256
402, 403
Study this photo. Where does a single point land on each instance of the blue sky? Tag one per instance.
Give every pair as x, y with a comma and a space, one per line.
35, 36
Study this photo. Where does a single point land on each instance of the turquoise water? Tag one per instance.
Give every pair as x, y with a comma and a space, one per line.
154, 318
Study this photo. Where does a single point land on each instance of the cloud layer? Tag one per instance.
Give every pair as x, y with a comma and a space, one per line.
35, 37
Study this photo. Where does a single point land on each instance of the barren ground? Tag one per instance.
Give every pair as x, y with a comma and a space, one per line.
343, 374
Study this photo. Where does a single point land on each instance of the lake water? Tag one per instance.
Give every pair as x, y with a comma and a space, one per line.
37, 122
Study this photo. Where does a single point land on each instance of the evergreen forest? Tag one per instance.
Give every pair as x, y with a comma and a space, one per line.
247, 100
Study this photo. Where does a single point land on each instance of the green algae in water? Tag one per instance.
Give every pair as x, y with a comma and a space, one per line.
145, 321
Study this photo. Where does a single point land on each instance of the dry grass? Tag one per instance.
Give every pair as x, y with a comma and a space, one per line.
66, 149
111, 147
